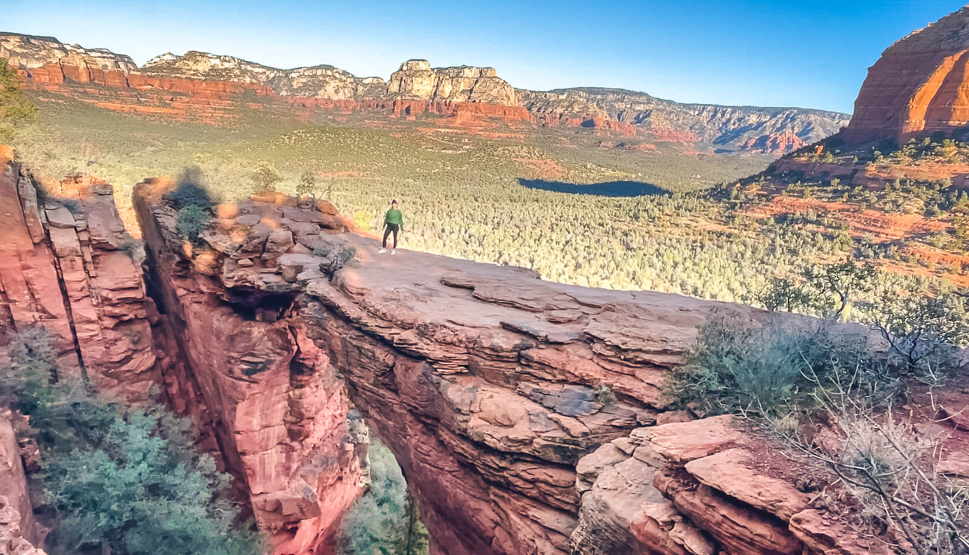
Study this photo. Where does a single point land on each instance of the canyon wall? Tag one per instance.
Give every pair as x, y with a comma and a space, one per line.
67, 264
215, 89
527, 416
919, 86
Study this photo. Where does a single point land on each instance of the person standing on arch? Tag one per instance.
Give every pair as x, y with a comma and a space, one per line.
393, 223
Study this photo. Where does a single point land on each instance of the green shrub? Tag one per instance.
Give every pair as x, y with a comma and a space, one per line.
306, 185
32, 365
386, 519
604, 394
15, 108
124, 480
192, 220
739, 366
266, 177
924, 330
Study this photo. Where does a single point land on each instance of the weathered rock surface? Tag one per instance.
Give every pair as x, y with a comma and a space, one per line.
487, 383
769, 130
251, 374
918, 86
67, 264
320, 81
207, 87
416, 79
12, 540
16, 514
471, 373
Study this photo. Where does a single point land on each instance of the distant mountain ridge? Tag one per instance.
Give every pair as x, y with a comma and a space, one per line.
417, 87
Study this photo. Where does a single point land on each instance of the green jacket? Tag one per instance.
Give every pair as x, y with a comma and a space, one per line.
394, 217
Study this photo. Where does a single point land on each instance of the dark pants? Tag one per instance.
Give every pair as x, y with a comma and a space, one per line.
391, 228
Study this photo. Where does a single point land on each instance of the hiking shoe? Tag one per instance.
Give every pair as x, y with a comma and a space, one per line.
381, 251
393, 251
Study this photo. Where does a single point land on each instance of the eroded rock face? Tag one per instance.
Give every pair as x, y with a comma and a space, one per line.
12, 540
526, 415
49, 61
199, 86
416, 79
918, 86
767, 130
67, 264
481, 379
249, 371
484, 381
16, 514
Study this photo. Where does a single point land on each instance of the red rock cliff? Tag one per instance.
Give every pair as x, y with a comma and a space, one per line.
920, 85
66, 263
483, 381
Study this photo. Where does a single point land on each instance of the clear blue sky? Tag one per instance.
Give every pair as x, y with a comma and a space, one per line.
812, 53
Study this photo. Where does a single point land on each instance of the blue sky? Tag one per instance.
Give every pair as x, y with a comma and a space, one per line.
812, 54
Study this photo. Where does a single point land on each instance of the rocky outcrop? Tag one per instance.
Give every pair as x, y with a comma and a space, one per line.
490, 386
275, 405
775, 143
768, 130
416, 79
919, 85
12, 539
67, 264
46, 60
527, 416
325, 82
211, 88
17, 526
873, 176
696, 488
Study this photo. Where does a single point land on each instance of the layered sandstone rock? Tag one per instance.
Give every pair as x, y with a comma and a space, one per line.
249, 372
694, 488
326, 82
17, 525
491, 387
918, 86
46, 60
526, 415
417, 79
768, 130
12, 539
481, 379
67, 264
211, 88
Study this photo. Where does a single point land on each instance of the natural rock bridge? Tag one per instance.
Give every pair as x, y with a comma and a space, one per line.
526, 415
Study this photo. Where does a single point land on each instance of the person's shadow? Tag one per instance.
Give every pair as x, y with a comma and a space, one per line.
608, 189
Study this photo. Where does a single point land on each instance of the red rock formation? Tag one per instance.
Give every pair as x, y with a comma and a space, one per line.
67, 264
775, 144
481, 379
920, 85
875, 176
12, 539
16, 514
249, 371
